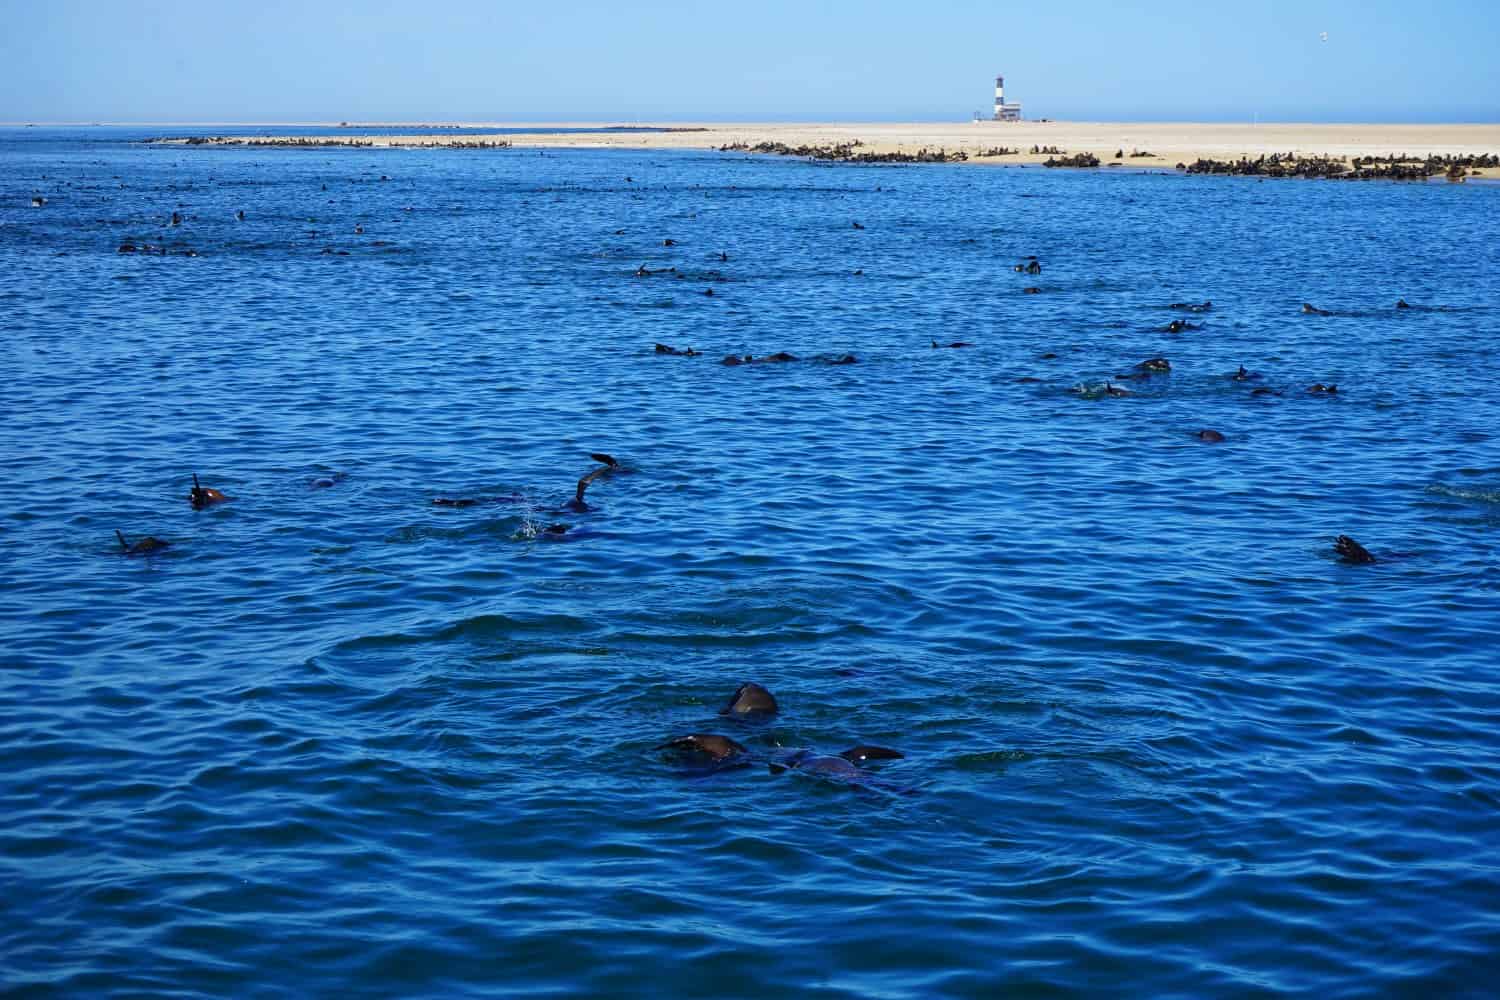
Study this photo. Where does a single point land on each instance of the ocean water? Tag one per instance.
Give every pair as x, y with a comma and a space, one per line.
1158, 740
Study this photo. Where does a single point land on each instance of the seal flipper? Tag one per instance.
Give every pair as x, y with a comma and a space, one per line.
577, 503
752, 701
124, 545
608, 460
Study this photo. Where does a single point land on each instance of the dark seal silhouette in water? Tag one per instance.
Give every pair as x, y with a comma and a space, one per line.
843, 765
1245, 375
1402, 304
1155, 366
476, 501
1108, 389
1319, 387
1351, 551
668, 349
1197, 307
750, 701
1179, 325
770, 359
200, 496
144, 547
1312, 310
956, 343
710, 752
706, 753
1210, 436
328, 481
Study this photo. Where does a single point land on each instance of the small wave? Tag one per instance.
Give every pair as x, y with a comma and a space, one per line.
1465, 493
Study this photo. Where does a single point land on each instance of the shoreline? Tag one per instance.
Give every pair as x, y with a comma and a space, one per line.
1161, 145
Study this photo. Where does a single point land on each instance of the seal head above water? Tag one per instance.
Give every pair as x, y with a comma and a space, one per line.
200, 496
144, 547
1351, 551
706, 751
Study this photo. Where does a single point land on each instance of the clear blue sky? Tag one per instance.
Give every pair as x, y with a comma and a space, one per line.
284, 60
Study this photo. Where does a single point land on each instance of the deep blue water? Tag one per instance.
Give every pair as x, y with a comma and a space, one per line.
1159, 741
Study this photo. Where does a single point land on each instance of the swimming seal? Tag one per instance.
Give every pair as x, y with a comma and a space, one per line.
1351, 551
1179, 325
1098, 391
326, 482
1155, 366
201, 497
1196, 307
1210, 436
1319, 387
145, 547
750, 701
668, 349
1031, 291
858, 226
844, 766
956, 343
706, 749
777, 358
1402, 304
1312, 310
1245, 376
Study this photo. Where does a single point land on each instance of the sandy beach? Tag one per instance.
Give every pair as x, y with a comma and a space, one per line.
1168, 143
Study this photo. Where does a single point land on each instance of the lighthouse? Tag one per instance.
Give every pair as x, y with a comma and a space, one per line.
1004, 112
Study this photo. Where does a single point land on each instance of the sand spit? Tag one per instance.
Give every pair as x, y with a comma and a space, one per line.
1137, 145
